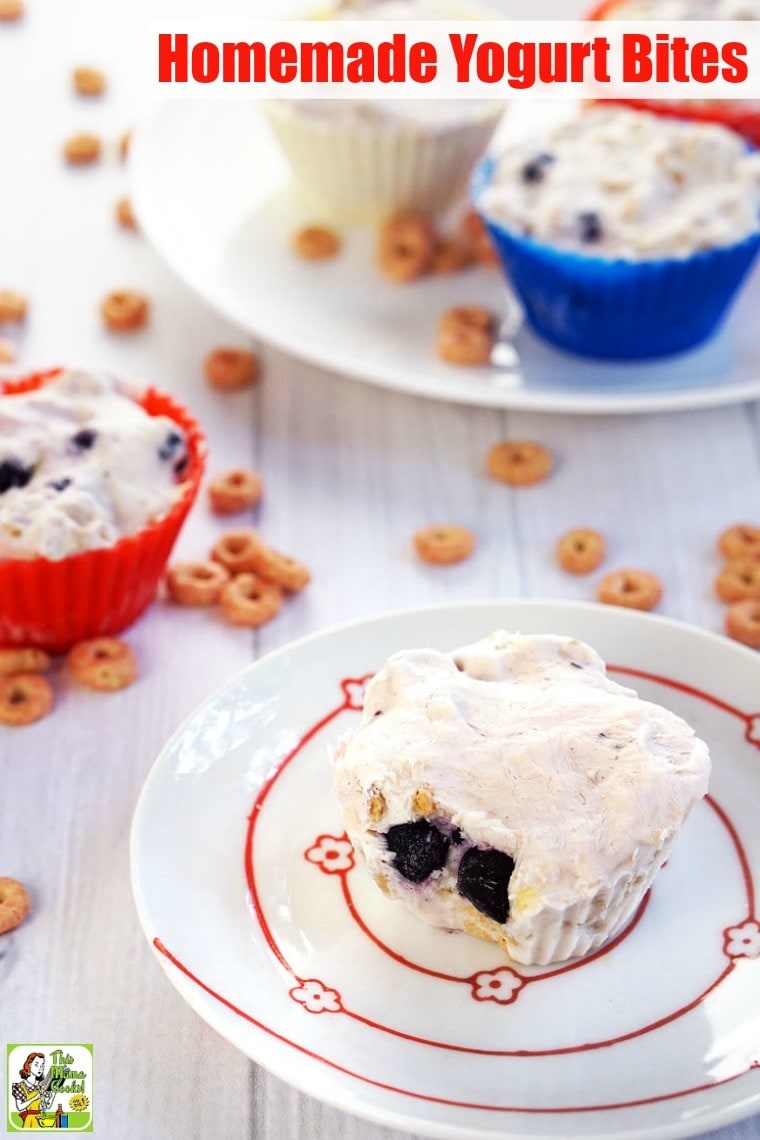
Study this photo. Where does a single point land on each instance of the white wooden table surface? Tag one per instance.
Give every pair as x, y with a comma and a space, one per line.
351, 471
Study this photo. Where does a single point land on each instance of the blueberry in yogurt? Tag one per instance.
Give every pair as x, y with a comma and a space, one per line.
590, 225
483, 879
535, 169
84, 439
418, 848
13, 473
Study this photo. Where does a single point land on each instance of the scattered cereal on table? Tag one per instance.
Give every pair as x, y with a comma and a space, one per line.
24, 698
444, 544
738, 580
740, 541
88, 81
316, 243
743, 622
236, 550
286, 572
82, 149
406, 247
125, 214
26, 659
250, 601
228, 369
124, 145
635, 589
103, 663
467, 334
581, 550
519, 462
13, 306
125, 310
11, 9
7, 351
14, 904
235, 491
196, 583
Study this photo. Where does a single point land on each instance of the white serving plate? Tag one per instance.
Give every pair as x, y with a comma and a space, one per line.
246, 889
213, 194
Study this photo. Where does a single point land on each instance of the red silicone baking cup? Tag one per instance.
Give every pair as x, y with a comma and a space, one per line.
55, 604
728, 112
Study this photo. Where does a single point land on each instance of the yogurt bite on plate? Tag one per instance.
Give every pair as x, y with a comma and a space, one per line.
626, 235
513, 791
361, 160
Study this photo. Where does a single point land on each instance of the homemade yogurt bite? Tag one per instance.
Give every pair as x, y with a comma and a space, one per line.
620, 184
513, 791
625, 234
96, 479
361, 160
82, 465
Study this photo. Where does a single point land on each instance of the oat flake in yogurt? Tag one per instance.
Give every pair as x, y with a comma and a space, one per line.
616, 183
82, 465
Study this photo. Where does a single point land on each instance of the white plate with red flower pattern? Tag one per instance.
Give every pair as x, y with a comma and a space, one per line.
249, 893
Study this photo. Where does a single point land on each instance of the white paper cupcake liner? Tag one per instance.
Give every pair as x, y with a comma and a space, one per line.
363, 171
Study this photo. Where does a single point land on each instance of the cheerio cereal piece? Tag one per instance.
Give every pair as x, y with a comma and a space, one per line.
467, 334
519, 462
452, 254
286, 572
14, 904
82, 149
7, 351
740, 541
103, 663
228, 369
406, 247
581, 550
24, 698
236, 550
738, 580
249, 600
743, 622
316, 243
235, 491
125, 310
483, 249
88, 81
444, 544
13, 306
196, 583
11, 9
26, 659
124, 144
125, 214
635, 589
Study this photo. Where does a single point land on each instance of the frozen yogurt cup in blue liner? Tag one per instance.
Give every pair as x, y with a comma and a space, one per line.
617, 308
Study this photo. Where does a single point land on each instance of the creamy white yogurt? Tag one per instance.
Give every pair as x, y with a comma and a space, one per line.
432, 115
81, 465
612, 182
527, 747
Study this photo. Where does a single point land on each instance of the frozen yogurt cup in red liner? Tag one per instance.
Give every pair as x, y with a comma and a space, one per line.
741, 115
54, 602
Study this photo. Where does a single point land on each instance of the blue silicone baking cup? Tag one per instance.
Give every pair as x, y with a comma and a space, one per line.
618, 309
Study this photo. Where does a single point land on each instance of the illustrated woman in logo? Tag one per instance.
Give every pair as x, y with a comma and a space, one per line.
29, 1093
